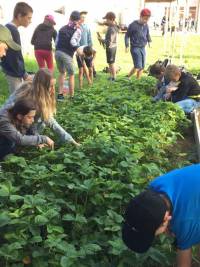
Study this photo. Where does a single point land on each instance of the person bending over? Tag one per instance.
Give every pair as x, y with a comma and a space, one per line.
15, 123
170, 205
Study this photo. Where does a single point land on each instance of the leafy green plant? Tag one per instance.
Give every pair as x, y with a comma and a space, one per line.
65, 207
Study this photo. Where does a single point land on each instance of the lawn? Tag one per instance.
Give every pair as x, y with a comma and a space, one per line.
65, 207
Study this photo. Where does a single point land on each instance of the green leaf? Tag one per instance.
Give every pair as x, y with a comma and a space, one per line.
4, 219
14, 198
66, 261
41, 220
68, 217
80, 219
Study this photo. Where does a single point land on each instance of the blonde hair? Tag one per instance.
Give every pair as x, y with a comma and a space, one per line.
170, 71
39, 92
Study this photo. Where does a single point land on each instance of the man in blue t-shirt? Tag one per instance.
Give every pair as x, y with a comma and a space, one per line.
171, 204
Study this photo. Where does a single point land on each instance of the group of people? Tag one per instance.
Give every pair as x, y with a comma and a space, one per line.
73, 38
29, 108
31, 104
176, 85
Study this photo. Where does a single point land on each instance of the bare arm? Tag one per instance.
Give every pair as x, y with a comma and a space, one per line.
184, 258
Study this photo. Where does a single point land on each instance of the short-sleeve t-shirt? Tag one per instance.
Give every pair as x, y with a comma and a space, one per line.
182, 186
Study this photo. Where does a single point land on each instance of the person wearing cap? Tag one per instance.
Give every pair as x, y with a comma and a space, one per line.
6, 41
110, 42
138, 33
171, 204
68, 41
42, 41
13, 63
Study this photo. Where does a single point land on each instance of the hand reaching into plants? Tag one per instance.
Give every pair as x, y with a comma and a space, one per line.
50, 143
40, 146
75, 143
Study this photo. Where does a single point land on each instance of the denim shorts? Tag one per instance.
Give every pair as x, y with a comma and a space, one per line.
64, 62
139, 56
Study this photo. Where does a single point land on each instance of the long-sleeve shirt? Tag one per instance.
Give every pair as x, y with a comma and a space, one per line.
86, 38
138, 34
39, 124
187, 87
9, 130
42, 37
13, 62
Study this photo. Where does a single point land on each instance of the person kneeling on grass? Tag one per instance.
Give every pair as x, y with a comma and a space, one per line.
85, 58
171, 204
14, 128
42, 93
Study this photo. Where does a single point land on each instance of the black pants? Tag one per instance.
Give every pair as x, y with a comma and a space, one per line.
6, 147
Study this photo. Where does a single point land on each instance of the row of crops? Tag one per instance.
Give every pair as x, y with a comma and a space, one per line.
65, 207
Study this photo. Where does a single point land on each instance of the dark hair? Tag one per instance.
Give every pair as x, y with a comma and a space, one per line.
156, 69
22, 9
22, 107
88, 51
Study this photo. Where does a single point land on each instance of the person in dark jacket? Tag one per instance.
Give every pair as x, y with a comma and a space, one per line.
68, 41
42, 41
187, 92
13, 63
14, 126
138, 33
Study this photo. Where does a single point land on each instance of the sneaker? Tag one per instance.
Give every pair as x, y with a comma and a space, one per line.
111, 79
60, 97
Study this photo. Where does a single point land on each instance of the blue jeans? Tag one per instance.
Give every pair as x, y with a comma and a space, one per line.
188, 105
139, 56
6, 147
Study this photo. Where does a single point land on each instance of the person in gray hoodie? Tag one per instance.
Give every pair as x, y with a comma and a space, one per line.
138, 33
14, 128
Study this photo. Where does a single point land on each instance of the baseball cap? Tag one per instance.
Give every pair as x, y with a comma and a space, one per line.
145, 12
50, 18
110, 15
143, 216
75, 16
6, 37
